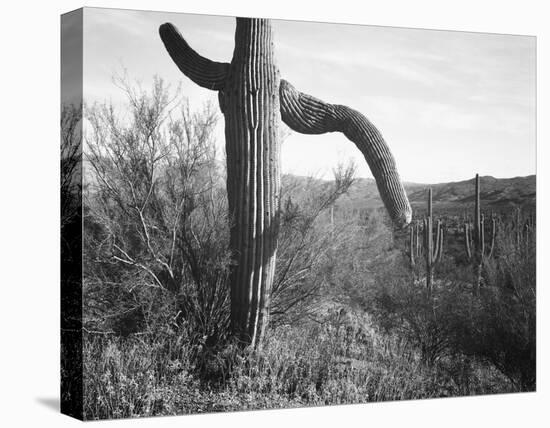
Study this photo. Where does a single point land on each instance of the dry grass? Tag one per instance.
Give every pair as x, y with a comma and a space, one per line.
339, 362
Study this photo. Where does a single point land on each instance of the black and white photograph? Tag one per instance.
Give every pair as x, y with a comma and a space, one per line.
275, 214
262, 214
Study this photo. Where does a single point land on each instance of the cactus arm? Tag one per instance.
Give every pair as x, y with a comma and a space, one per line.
518, 228
482, 237
417, 227
437, 238
308, 115
425, 234
493, 235
467, 241
437, 241
429, 238
440, 254
204, 72
429, 253
411, 243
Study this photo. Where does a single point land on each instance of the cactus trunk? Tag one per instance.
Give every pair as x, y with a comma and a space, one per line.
249, 99
475, 245
251, 109
479, 239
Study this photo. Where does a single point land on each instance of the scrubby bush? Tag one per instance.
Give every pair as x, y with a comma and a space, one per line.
155, 226
343, 360
307, 244
503, 325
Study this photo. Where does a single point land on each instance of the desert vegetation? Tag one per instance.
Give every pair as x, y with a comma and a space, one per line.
359, 310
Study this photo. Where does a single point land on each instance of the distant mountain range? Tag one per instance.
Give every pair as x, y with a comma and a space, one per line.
497, 194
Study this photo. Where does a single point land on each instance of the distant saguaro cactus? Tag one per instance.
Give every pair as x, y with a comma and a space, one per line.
476, 251
433, 249
430, 248
524, 229
253, 100
414, 243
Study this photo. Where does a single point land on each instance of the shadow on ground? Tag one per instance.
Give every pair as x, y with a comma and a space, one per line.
51, 403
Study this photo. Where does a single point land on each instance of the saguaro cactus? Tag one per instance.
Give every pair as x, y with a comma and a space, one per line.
524, 226
414, 243
253, 100
433, 248
476, 250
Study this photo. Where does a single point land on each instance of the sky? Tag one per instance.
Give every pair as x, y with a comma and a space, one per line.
449, 104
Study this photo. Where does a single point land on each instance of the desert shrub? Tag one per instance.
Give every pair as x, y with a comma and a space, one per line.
351, 266
428, 320
155, 218
70, 186
503, 319
307, 242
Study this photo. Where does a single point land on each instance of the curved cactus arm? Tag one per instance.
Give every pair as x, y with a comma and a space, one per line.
204, 72
308, 115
